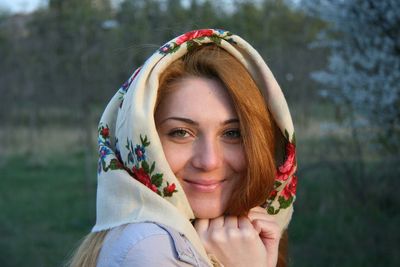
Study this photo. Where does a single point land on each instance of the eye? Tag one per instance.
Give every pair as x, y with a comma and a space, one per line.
233, 134
179, 133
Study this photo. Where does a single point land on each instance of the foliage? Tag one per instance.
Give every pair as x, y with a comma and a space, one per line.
363, 70
73, 53
71, 56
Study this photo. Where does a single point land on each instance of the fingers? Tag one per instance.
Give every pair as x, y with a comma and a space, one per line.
228, 237
231, 222
264, 223
270, 234
258, 209
216, 222
269, 230
261, 219
201, 226
258, 213
244, 223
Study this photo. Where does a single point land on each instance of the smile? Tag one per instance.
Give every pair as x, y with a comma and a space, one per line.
204, 186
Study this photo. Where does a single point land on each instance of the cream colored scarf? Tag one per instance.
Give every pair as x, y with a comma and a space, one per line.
135, 182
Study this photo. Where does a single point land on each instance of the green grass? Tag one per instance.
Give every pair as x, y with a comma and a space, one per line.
45, 210
48, 206
333, 225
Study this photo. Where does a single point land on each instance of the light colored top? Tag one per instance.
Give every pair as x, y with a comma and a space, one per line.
147, 244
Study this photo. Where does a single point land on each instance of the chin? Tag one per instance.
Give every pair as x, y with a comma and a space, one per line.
206, 215
206, 211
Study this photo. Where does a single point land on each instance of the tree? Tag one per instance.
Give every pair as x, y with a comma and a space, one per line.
363, 74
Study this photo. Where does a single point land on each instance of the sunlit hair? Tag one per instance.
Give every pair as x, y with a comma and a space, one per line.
256, 126
87, 253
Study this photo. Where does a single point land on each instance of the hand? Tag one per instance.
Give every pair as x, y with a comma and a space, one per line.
233, 241
269, 232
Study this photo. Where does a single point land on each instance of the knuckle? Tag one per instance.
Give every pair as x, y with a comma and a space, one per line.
256, 224
248, 234
258, 209
232, 233
216, 236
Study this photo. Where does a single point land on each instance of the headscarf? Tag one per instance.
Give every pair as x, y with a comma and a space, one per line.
135, 182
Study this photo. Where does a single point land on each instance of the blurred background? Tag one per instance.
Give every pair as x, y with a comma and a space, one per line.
337, 61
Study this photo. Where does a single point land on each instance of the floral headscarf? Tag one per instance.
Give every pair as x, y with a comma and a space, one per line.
135, 182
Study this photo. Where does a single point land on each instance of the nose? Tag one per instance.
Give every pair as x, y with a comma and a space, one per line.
207, 154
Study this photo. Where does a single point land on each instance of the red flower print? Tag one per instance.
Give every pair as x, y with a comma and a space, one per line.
169, 189
288, 166
142, 170
142, 177
290, 188
105, 132
153, 188
192, 35
273, 194
290, 153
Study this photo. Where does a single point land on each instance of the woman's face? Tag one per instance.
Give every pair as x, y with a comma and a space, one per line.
199, 132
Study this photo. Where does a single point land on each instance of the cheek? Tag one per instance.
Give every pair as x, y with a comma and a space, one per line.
236, 159
176, 156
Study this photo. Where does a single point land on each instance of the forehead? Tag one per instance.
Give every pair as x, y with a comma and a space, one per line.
195, 96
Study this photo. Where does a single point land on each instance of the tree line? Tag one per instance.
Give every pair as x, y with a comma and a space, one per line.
72, 55
62, 63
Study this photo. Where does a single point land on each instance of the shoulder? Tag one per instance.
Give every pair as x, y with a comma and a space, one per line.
146, 244
123, 240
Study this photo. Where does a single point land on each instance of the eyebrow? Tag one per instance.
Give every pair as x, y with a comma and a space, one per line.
235, 120
186, 120
192, 122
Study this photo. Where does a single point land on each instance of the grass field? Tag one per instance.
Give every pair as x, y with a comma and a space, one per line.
45, 210
332, 227
47, 206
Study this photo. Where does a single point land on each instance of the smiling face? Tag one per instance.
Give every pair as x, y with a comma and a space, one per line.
199, 132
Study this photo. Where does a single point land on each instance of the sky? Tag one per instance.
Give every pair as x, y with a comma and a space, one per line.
21, 6
27, 6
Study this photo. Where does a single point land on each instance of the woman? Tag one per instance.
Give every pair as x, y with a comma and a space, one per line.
189, 152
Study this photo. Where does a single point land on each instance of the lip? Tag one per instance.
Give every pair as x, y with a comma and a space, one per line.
204, 186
